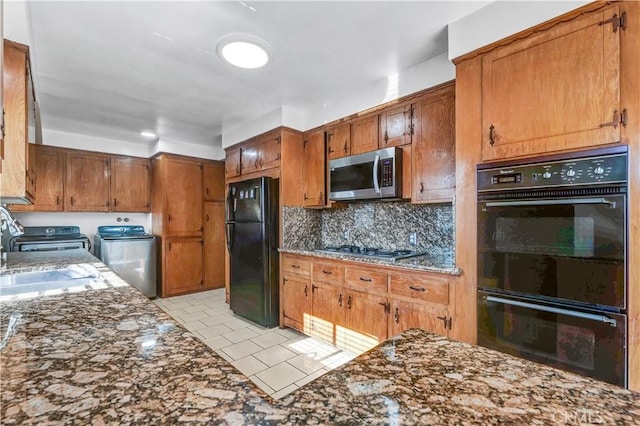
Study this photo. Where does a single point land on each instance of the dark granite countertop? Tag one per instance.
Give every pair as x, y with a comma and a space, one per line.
428, 262
110, 356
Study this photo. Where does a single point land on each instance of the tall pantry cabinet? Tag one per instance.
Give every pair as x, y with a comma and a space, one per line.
184, 223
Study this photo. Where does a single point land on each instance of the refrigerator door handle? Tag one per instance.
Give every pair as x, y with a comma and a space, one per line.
229, 205
230, 228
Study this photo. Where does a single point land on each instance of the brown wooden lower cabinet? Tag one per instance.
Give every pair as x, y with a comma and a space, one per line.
365, 322
406, 315
296, 296
214, 248
182, 266
355, 308
326, 311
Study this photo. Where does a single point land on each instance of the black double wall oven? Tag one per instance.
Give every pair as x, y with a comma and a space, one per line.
552, 272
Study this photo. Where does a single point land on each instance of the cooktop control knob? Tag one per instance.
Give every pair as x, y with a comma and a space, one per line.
571, 173
598, 170
546, 175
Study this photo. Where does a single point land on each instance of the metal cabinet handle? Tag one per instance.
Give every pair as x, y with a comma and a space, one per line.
492, 136
115, 202
349, 302
57, 200
207, 217
365, 279
328, 273
71, 200
386, 137
295, 266
306, 292
421, 187
169, 217
396, 315
340, 300
412, 287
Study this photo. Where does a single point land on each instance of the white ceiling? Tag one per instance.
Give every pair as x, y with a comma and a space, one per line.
113, 68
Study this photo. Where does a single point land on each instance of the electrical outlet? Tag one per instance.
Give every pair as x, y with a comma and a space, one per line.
345, 234
413, 238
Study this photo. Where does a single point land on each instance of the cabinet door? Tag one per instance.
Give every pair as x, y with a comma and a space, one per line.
296, 303
553, 91
250, 158
365, 323
327, 311
87, 182
183, 203
339, 141
396, 125
182, 266
270, 152
315, 170
364, 134
232, 163
49, 171
434, 164
18, 179
213, 178
406, 315
130, 188
214, 246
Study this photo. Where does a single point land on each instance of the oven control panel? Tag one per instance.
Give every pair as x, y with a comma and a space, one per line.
590, 170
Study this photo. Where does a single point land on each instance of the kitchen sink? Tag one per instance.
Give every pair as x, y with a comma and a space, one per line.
55, 279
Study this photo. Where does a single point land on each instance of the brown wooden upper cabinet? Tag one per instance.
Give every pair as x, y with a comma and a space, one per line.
130, 185
315, 193
87, 182
232, 162
213, 181
555, 90
49, 167
269, 151
249, 157
18, 169
182, 197
364, 134
338, 141
434, 164
396, 125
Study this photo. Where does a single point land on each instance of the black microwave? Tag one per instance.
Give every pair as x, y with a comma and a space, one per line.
369, 176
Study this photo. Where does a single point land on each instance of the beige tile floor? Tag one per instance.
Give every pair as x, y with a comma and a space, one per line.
278, 360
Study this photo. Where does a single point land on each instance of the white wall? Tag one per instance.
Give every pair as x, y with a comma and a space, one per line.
422, 76
88, 222
502, 19
90, 143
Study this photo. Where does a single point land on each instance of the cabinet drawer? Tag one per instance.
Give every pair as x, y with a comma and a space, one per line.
327, 272
430, 289
296, 266
366, 279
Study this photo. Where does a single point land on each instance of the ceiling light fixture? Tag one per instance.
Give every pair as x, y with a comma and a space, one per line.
243, 52
148, 134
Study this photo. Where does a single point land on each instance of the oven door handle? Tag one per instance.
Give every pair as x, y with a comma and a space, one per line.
577, 314
564, 201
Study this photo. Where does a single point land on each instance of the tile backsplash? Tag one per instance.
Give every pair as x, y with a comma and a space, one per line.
385, 224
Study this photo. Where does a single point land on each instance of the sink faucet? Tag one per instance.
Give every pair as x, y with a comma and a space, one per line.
9, 222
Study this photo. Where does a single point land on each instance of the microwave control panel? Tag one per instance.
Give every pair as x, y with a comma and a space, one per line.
600, 169
387, 172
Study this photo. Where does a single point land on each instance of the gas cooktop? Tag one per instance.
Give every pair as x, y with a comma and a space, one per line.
370, 252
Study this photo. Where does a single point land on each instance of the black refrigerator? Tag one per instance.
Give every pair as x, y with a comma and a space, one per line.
252, 240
